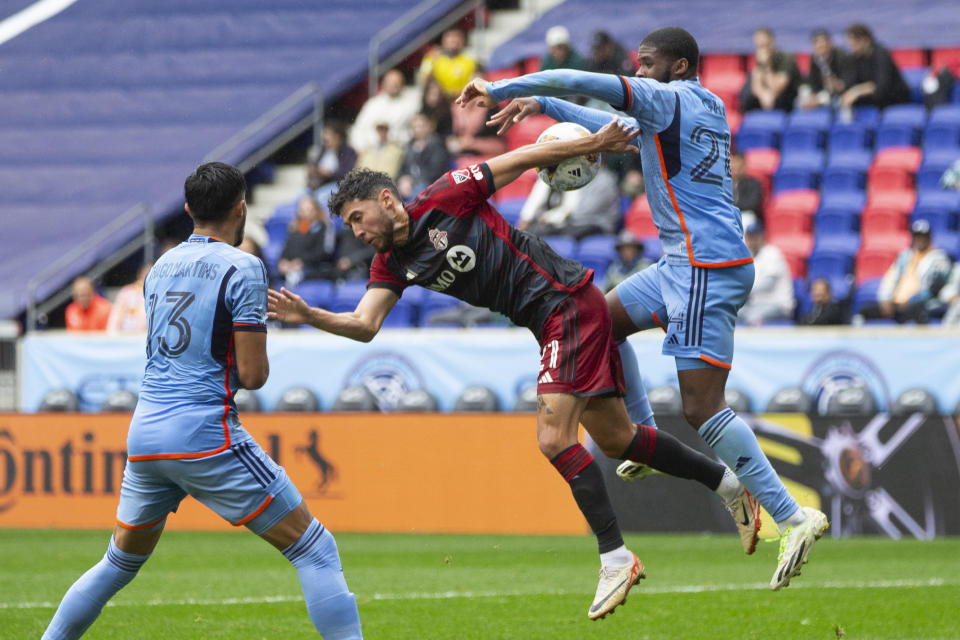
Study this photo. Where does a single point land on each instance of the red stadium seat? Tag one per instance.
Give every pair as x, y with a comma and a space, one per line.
527, 130
762, 162
639, 219
882, 179
800, 200
892, 241
909, 57
787, 222
803, 62
519, 188
718, 81
531, 65
719, 62
879, 220
900, 199
906, 158
796, 248
503, 74
873, 263
461, 162
946, 57
733, 119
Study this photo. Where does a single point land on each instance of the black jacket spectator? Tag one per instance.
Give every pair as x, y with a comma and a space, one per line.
872, 77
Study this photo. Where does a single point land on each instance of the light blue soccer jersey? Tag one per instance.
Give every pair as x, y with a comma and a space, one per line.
196, 296
685, 151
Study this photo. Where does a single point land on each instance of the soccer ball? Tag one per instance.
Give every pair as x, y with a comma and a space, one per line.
572, 173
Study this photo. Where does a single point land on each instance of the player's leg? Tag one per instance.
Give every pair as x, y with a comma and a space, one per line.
145, 501
702, 372
312, 550
558, 415
247, 488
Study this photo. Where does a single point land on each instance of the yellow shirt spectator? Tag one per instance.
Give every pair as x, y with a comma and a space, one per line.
452, 68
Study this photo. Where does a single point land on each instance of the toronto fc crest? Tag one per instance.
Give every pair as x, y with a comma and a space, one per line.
438, 238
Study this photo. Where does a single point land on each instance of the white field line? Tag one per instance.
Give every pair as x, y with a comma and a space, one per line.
30, 17
449, 595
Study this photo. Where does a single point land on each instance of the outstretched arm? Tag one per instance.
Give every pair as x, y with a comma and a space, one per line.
557, 82
614, 137
559, 110
361, 324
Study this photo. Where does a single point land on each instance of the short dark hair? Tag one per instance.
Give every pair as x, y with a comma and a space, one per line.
360, 184
820, 32
767, 30
675, 43
860, 31
212, 190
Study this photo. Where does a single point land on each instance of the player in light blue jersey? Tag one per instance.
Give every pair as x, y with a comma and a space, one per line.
206, 307
694, 291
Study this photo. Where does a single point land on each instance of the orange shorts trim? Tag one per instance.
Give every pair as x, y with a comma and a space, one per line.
138, 527
253, 515
716, 363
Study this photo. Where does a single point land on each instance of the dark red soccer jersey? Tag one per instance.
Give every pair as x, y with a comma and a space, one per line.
461, 246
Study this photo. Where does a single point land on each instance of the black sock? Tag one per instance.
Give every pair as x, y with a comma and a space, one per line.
665, 453
581, 471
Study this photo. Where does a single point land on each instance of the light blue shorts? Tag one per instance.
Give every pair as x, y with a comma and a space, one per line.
243, 485
697, 307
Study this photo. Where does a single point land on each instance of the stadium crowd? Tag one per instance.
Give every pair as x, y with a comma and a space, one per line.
843, 229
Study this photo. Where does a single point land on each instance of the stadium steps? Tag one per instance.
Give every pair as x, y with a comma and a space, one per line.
288, 181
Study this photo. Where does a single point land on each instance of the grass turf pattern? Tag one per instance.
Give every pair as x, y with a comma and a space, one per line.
233, 585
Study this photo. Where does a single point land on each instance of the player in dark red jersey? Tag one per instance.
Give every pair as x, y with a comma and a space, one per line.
450, 239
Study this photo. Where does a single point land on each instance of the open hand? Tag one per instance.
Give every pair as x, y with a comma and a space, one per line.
616, 137
517, 110
288, 307
476, 88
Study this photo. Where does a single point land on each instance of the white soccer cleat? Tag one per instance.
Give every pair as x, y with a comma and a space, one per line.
630, 471
795, 546
614, 584
746, 513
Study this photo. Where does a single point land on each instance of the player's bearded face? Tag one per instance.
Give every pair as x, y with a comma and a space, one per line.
371, 223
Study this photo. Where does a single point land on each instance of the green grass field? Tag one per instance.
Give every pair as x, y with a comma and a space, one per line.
233, 585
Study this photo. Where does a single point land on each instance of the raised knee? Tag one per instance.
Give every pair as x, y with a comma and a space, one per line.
551, 444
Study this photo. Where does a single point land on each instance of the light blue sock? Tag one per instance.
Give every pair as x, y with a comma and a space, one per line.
638, 406
737, 446
85, 599
332, 608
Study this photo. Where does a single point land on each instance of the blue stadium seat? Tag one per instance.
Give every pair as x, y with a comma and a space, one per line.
829, 264
346, 295
949, 242
799, 170
867, 115
945, 114
510, 209
801, 139
940, 220
942, 135
914, 76
835, 221
900, 126
403, 315
840, 179
818, 119
866, 294
931, 169
852, 136
761, 129
849, 159
316, 293
596, 252
942, 198
563, 245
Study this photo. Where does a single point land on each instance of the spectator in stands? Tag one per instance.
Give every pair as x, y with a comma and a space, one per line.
828, 66
872, 76
395, 104
436, 106
629, 260
825, 309
425, 158
609, 56
309, 250
747, 190
250, 246
560, 55
772, 295
385, 156
909, 287
472, 136
451, 67
329, 162
353, 257
950, 298
774, 80
594, 208
89, 311
128, 314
